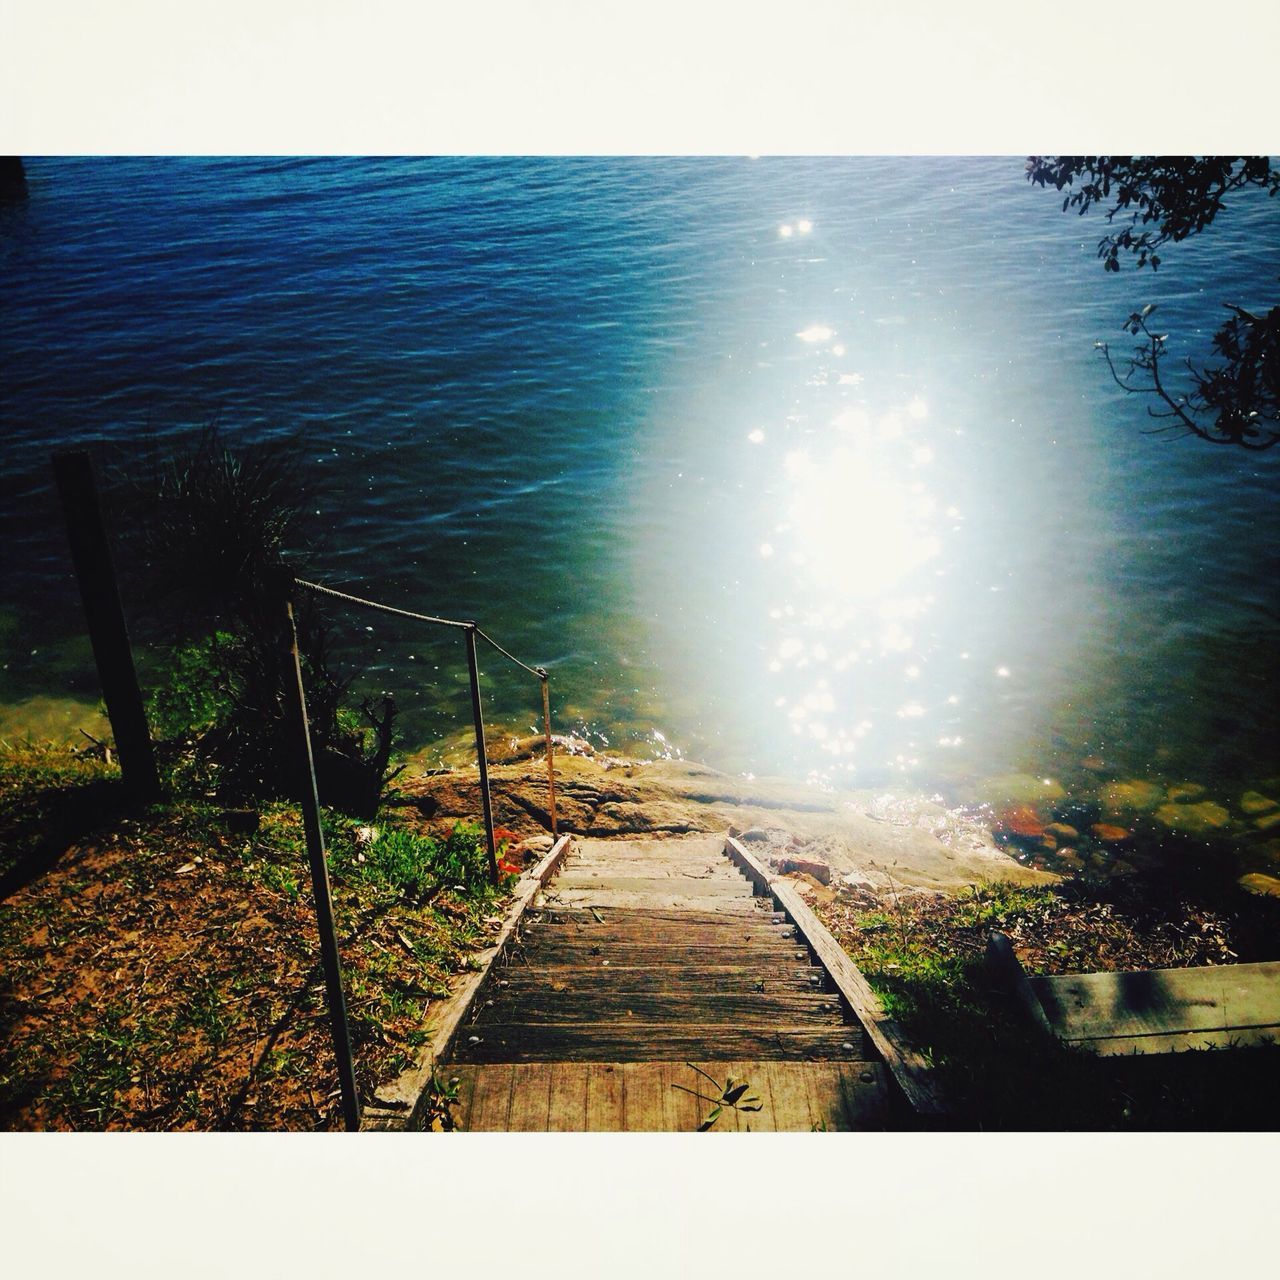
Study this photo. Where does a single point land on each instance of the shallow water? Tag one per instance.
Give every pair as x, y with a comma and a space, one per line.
794, 466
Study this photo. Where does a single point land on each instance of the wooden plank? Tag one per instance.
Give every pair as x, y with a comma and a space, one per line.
720, 929
743, 1009
683, 1111
1215, 998
568, 1110
605, 1102
865, 1088
645, 1104
910, 1070
531, 1084
706, 955
680, 886
701, 926
755, 1075
595, 976
491, 1099
644, 865
634, 1040
790, 1095
657, 898
710, 845
617, 918
445, 1018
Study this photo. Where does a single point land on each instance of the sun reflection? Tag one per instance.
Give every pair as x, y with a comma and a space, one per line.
854, 528
859, 526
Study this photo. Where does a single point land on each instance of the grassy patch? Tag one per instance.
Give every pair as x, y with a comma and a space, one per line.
161, 968
923, 954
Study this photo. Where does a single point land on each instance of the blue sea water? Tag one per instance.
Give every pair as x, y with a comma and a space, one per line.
795, 466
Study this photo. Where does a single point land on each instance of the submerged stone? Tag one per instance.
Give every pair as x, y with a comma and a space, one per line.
1254, 802
1062, 831
1267, 821
1257, 882
1021, 825
1134, 796
1108, 833
1181, 792
1193, 819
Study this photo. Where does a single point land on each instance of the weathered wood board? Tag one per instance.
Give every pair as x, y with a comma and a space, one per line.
653, 1097
1163, 1010
637, 1040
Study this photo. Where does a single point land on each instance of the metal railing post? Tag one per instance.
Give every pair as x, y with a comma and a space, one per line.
551, 768
481, 757
320, 885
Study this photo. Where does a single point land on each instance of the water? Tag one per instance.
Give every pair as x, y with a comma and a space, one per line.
803, 467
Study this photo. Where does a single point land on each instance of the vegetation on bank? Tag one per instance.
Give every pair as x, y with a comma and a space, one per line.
924, 954
161, 968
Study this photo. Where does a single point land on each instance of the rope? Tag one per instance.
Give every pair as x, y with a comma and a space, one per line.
533, 671
382, 608
419, 617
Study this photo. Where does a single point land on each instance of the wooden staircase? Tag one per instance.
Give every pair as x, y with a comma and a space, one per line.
641, 957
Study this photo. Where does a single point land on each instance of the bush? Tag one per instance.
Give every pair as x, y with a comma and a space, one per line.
210, 534
418, 867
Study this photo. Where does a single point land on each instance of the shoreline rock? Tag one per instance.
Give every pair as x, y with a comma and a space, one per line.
914, 841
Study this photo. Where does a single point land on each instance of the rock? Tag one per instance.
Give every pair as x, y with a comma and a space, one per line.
1070, 858
1133, 796
1267, 821
1020, 823
754, 835
1257, 882
1183, 791
1254, 802
1095, 764
1062, 831
1109, 834
1193, 819
805, 866
532, 848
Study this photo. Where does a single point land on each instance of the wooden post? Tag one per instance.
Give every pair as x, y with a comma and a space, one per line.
551, 768
91, 555
320, 885
474, 671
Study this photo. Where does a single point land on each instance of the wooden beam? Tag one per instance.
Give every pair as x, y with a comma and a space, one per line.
907, 1066
108, 633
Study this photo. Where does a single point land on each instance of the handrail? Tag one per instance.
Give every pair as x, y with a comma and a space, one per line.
472, 630
288, 586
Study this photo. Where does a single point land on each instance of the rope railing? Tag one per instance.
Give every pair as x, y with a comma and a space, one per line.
472, 631
311, 799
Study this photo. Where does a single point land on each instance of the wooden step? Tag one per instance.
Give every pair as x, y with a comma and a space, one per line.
742, 1009
621, 920
658, 897
685, 886
722, 928
636, 1041
617, 977
652, 1097
659, 957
